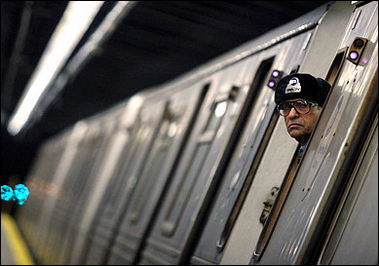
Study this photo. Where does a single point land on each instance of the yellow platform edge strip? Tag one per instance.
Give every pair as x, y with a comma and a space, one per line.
17, 244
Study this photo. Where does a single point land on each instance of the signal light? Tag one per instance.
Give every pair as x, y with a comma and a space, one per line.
271, 83
276, 75
356, 50
353, 55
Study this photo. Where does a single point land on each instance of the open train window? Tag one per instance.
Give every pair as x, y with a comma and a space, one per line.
336, 66
332, 75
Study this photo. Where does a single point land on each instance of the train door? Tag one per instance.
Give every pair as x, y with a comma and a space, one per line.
206, 149
118, 147
317, 211
280, 59
78, 186
103, 217
108, 122
276, 160
97, 148
180, 113
131, 160
353, 236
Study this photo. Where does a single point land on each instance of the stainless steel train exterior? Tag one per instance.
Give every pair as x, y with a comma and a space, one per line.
200, 170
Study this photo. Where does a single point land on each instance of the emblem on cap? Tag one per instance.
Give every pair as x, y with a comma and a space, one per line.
293, 86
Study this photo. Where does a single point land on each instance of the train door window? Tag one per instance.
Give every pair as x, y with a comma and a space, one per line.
85, 157
166, 136
193, 169
332, 75
125, 165
93, 149
115, 186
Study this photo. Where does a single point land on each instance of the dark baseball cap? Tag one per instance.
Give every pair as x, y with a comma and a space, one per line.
304, 86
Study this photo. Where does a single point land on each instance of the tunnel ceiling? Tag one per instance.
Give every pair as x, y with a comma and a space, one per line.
155, 42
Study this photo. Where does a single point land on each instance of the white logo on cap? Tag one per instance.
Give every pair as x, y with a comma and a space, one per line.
293, 86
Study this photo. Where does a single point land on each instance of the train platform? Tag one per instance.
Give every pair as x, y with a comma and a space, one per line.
14, 250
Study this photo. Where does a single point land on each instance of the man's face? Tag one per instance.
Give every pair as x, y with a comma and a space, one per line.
301, 126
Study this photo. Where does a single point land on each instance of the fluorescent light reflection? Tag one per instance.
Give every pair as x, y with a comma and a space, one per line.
71, 28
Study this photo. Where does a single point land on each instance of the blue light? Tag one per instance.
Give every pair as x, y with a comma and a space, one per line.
6, 193
20, 194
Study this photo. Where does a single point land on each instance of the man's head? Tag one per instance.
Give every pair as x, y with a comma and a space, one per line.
299, 98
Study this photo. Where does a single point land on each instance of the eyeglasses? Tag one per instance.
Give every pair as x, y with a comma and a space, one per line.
301, 106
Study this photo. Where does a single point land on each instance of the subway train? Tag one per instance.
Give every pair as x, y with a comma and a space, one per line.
200, 170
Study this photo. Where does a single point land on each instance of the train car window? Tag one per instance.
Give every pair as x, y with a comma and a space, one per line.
185, 188
125, 165
336, 66
140, 197
95, 149
117, 184
151, 140
331, 77
114, 187
143, 190
80, 163
68, 194
193, 170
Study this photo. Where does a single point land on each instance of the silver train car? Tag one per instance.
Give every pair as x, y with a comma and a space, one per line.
200, 170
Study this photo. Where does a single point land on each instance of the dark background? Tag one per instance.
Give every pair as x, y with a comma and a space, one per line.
155, 42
